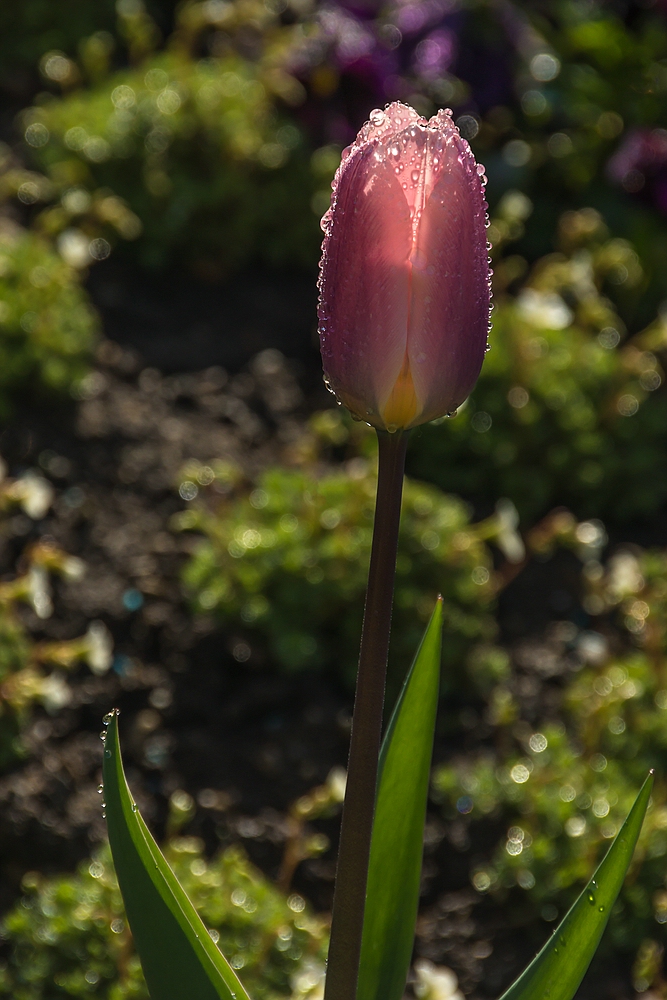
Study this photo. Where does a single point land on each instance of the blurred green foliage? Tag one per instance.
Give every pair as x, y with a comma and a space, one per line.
213, 176
67, 934
287, 562
559, 782
30, 29
47, 327
568, 408
206, 167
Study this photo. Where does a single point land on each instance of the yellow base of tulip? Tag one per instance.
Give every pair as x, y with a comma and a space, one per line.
402, 406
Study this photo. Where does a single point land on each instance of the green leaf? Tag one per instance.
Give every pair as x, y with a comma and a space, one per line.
177, 954
557, 970
398, 830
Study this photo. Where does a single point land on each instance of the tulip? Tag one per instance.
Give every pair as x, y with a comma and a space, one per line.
404, 285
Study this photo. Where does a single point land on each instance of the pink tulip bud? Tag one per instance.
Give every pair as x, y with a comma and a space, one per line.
405, 279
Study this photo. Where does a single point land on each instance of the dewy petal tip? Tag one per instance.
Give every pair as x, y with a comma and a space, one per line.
404, 276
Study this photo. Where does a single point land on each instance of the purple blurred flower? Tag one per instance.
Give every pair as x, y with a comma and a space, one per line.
640, 165
435, 54
348, 36
414, 16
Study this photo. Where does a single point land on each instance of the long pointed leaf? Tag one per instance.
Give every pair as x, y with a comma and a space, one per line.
557, 970
178, 956
398, 830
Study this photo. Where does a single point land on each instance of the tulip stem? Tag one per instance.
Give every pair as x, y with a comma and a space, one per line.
358, 810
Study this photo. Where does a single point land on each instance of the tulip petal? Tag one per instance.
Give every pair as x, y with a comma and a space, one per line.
449, 307
365, 282
404, 286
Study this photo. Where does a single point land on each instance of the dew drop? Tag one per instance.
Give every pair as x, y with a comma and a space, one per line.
106, 719
414, 176
392, 428
590, 897
103, 735
134, 807
601, 909
107, 752
100, 789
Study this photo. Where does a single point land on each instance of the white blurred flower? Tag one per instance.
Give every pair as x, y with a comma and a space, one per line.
508, 539
55, 693
73, 568
39, 591
35, 494
336, 782
545, 310
74, 248
100, 647
436, 982
308, 982
624, 575
592, 538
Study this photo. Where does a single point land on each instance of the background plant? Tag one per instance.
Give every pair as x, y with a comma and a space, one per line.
556, 780
70, 930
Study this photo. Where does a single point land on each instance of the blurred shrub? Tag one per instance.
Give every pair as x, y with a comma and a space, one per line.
68, 934
47, 328
28, 30
190, 156
288, 562
568, 408
559, 790
34, 673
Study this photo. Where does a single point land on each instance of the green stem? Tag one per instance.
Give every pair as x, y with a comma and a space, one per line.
357, 823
